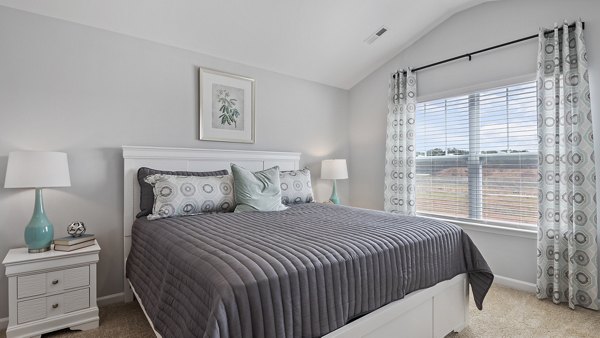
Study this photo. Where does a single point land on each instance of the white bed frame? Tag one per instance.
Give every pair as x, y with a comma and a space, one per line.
432, 312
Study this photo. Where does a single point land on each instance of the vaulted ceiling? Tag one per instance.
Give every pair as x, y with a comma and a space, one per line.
318, 40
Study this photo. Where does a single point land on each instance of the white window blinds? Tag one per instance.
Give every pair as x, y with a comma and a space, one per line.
477, 156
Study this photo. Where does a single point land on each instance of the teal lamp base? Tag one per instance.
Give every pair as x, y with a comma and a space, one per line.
334, 197
39, 233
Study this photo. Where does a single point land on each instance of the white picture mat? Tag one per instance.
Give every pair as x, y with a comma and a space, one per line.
207, 78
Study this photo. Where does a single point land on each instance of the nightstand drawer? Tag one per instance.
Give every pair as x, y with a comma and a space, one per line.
67, 279
46, 307
68, 302
53, 281
31, 285
31, 310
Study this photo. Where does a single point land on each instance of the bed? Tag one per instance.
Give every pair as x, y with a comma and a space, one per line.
312, 270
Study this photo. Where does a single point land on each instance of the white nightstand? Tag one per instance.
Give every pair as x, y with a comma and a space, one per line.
50, 291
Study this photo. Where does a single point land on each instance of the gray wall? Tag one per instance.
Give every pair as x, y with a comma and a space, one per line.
481, 26
86, 91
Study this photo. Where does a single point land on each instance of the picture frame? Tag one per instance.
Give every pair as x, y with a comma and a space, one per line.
226, 109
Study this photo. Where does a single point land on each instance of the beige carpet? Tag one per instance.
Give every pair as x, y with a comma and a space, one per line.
507, 313
511, 313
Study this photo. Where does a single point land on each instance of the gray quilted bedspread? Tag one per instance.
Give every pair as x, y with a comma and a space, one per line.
302, 272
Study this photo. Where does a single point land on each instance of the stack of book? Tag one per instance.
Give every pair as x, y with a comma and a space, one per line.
71, 243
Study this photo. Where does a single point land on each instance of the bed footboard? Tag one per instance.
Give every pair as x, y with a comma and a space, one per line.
432, 312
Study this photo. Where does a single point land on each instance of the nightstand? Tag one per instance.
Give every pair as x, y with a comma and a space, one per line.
51, 290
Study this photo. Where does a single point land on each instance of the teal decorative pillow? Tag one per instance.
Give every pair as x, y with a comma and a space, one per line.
296, 187
257, 191
190, 195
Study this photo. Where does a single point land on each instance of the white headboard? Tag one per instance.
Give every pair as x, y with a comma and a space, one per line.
186, 159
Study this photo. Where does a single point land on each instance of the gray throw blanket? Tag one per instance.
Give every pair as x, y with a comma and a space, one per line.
302, 272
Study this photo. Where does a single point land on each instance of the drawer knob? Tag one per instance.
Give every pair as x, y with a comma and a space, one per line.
54, 282
54, 306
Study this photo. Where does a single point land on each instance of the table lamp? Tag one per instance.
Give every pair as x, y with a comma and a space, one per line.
334, 170
37, 169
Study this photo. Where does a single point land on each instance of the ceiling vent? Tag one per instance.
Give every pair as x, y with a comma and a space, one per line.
376, 35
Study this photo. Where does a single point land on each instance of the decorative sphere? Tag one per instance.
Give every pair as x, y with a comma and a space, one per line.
76, 229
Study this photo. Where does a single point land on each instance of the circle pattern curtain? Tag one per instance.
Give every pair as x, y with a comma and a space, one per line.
400, 166
567, 245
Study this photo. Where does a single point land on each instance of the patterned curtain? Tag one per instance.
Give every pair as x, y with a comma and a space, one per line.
399, 190
567, 246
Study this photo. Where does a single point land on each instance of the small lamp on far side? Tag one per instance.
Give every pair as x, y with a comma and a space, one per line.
334, 170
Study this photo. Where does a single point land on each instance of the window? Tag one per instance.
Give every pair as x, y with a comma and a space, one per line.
477, 156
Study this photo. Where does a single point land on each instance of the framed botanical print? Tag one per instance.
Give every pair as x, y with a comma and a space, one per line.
226, 107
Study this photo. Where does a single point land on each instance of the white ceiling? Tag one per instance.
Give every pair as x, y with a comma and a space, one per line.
318, 40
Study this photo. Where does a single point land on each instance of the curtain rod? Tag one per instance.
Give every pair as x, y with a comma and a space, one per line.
469, 55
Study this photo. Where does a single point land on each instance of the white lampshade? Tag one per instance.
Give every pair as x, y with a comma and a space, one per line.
334, 169
37, 169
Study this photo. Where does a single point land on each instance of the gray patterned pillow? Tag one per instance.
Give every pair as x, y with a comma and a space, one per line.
296, 187
190, 195
147, 193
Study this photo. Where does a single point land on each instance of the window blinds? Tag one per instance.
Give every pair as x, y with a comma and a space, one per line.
477, 156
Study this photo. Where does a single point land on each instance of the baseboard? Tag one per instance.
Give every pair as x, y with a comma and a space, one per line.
110, 299
515, 284
3, 323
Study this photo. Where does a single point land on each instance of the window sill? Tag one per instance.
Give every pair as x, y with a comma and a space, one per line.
494, 229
